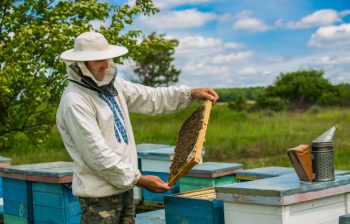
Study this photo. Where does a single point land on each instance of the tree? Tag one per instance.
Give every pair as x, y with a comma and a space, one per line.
33, 33
153, 65
301, 88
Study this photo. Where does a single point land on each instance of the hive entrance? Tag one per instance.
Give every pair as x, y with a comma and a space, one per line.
189, 143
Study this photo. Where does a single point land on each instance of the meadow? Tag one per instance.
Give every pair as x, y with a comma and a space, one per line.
255, 139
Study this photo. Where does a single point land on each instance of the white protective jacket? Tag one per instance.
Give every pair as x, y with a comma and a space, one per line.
105, 160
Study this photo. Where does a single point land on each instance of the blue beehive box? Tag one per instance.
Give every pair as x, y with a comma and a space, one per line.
156, 161
263, 172
17, 201
199, 206
153, 217
210, 174
142, 151
3, 162
55, 203
45, 194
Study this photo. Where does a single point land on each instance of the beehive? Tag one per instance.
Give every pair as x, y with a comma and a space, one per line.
4, 161
210, 174
199, 206
153, 158
39, 193
190, 142
285, 200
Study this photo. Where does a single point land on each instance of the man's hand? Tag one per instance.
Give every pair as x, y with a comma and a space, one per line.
153, 184
204, 94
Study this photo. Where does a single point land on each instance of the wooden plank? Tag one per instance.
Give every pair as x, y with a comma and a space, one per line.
193, 210
49, 214
14, 219
48, 187
16, 190
48, 200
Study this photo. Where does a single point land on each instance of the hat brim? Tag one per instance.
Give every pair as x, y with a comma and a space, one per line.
112, 52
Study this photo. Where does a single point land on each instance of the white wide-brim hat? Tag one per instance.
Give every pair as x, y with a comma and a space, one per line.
92, 46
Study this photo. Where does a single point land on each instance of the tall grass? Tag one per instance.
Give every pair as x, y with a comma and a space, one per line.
254, 139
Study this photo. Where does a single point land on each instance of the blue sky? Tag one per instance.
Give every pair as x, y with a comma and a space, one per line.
245, 43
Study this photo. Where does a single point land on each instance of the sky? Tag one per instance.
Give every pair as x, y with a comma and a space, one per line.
248, 43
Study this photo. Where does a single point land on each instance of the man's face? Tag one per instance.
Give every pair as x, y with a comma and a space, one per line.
98, 68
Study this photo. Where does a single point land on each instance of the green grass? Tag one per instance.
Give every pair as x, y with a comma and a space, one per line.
254, 139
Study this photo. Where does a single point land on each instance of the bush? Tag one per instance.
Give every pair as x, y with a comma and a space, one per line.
271, 103
238, 104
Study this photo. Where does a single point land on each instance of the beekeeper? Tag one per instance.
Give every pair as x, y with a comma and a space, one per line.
93, 120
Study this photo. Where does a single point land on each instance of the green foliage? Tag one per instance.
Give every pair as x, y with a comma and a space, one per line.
153, 64
249, 93
238, 104
33, 34
315, 109
255, 139
271, 103
301, 88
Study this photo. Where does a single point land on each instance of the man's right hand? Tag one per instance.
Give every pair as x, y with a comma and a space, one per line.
153, 184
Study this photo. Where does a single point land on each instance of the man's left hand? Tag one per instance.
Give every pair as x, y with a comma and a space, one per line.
204, 94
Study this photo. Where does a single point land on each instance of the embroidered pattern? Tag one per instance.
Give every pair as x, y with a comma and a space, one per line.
119, 128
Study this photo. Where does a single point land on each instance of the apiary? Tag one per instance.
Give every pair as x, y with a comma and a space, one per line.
39, 193
263, 172
199, 206
209, 174
285, 200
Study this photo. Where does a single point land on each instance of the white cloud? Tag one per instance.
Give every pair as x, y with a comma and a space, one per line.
331, 37
162, 4
198, 42
344, 13
231, 57
184, 19
233, 45
247, 71
323, 17
247, 22
195, 47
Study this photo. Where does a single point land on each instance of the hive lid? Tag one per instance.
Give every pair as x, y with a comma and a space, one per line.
52, 171
149, 146
164, 152
279, 187
5, 159
264, 172
214, 169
